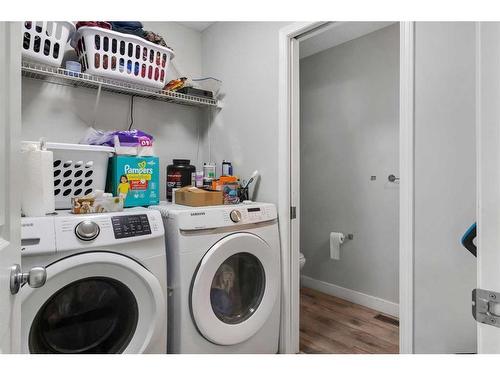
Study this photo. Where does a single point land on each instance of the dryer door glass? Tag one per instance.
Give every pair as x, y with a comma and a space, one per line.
237, 288
92, 315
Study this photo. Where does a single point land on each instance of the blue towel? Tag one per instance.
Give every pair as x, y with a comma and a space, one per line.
128, 27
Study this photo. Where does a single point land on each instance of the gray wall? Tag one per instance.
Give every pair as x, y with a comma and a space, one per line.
186, 44
244, 55
62, 114
349, 132
445, 273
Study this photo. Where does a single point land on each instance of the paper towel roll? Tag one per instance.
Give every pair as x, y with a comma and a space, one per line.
336, 239
37, 187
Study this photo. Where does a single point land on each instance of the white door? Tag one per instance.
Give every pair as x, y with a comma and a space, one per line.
235, 289
10, 205
488, 185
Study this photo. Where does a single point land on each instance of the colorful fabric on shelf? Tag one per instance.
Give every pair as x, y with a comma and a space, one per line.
155, 38
101, 24
132, 28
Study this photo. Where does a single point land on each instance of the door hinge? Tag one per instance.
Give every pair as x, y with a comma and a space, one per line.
486, 307
293, 212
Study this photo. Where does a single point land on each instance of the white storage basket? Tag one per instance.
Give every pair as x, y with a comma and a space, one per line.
123, 57
45, 41
78, 170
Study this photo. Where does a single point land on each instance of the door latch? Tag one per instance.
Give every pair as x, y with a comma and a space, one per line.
392, 178
486, 307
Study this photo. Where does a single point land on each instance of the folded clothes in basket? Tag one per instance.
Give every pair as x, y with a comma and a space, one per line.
125, 142
155, 38
136, 28
102, 24
128, 27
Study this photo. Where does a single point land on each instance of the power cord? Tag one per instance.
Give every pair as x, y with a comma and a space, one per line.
131, 112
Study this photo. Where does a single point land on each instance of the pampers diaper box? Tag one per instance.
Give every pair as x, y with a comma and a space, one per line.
135, 179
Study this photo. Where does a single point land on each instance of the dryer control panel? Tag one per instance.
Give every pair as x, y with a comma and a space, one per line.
223, 216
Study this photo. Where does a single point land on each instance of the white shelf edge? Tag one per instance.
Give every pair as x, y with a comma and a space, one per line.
65, 77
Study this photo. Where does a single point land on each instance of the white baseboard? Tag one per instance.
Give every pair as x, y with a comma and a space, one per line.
375, 303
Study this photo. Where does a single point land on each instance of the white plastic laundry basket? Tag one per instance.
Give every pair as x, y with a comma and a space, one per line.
124, 57
45, 41
78, 170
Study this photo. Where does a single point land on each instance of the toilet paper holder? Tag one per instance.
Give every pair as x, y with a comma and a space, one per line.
337, 239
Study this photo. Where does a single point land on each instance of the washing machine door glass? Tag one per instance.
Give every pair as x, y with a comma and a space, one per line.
235, 288
93, 315
95, 302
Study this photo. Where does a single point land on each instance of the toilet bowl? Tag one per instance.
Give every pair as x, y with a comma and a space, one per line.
302, 260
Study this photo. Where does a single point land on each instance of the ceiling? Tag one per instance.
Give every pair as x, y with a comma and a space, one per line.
195, 25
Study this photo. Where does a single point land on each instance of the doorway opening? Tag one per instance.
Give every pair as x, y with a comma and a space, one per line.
344, 232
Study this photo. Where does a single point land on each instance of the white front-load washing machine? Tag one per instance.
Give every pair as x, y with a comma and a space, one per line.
105, 290
224, 278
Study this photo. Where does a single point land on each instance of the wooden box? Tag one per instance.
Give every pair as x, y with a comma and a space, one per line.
192, 196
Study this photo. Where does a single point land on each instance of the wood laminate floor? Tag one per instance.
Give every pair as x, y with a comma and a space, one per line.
331, 325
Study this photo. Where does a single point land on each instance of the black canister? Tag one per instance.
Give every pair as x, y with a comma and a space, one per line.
179, 174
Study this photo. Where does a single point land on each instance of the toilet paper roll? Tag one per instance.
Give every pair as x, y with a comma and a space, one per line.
37, 187
336, 239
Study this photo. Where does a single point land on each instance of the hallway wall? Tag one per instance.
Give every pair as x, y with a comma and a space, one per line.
350, 132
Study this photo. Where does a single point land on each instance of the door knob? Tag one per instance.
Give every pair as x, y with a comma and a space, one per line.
35, 278
392, 178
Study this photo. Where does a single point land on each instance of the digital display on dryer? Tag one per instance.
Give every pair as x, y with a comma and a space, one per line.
254, 209
130, 226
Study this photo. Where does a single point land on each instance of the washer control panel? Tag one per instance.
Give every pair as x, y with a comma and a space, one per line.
130, 226
107, 229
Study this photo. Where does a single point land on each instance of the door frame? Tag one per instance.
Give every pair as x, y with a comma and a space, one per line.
289, 181
10, 195
487, 179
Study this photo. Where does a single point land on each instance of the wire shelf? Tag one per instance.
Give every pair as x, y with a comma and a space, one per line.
65, 77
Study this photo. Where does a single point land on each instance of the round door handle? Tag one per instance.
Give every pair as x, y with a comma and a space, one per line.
35, 278
392, 178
